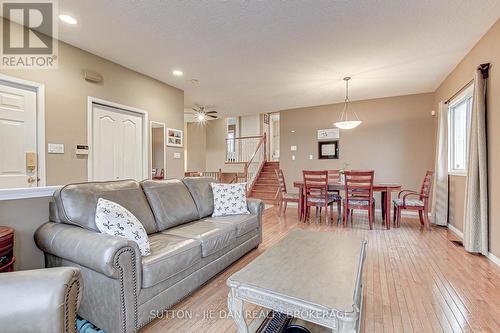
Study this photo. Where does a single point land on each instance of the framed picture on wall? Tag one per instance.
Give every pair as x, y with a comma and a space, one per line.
328, 150
174, 137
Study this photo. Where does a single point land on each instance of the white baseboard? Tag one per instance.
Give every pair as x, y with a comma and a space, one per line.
493, 258
456, 231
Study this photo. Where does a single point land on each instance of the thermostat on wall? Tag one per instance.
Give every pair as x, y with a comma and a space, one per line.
82, 150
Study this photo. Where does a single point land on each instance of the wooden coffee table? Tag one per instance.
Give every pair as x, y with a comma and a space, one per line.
310, 275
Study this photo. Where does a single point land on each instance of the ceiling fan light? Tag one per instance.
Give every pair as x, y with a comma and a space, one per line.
347, 124
201, 117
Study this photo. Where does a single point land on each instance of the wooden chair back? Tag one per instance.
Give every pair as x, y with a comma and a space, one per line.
316, 185
425, 190
281, 181
359, 185
334, 176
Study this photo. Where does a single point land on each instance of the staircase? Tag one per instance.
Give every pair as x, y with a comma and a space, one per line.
266, 186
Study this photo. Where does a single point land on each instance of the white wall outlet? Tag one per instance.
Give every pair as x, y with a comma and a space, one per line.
177, 155
55, 148
293, 157
433, 112
293, 148
311, 157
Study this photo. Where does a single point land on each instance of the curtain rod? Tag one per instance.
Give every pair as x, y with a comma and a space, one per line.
459, 91
484, 68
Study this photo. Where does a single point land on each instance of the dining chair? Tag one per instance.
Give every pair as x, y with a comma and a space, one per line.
317, 195
359, 194
283, 196
407, 201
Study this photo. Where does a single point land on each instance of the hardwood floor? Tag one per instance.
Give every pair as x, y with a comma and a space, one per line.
415, 281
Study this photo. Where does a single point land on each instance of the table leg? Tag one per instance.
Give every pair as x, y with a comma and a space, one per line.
388, 209
383, 196
302, 204
235, 306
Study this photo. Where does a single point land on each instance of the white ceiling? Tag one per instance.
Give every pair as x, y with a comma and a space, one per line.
262, 56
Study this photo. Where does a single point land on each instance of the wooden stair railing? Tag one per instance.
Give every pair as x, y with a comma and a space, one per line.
254, 166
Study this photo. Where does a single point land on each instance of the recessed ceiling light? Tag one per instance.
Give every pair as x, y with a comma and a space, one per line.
177, 72
68, 19
293, 131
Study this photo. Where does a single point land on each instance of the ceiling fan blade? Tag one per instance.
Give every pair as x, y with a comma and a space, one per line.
211, 112
213, 117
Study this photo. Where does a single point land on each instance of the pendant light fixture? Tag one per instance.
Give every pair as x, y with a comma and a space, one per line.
348, 119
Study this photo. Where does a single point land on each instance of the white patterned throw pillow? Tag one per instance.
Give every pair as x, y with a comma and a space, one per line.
114, 219
229, 199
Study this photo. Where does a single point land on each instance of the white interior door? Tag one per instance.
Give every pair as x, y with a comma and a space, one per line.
117, 144
18, 138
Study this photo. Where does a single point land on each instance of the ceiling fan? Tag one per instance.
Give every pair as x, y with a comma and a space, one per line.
203, 113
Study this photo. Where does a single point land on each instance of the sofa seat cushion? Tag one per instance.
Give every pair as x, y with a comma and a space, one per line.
243, 223
213, 236
169, 255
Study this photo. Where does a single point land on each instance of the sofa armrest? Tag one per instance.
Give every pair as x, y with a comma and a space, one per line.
42, 300
255, 206
96, 251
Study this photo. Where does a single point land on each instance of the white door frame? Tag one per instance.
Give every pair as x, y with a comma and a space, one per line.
39, 89
146, 174
164, 146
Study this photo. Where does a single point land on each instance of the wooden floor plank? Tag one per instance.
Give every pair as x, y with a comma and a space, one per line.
415, 280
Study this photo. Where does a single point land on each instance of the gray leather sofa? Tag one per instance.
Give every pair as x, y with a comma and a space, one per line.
40, 300
124, 291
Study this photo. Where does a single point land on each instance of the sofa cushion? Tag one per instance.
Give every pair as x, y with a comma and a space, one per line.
202, 194
169, 255
243, 223
171, 202
212, 235
76, 203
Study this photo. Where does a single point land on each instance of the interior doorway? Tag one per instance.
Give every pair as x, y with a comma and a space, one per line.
118, 140
274, 137
158, 155
22, 133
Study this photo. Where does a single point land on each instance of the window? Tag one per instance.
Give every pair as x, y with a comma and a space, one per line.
459, 127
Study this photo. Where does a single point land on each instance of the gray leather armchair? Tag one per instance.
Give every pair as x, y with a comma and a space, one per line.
42, 300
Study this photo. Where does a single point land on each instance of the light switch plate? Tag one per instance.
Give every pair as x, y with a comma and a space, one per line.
177, 155
311, 157
293, 148
55, 148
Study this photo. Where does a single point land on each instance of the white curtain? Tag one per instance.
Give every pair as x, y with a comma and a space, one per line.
440, 194
476, 189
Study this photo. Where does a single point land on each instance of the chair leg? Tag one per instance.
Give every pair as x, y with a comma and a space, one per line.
394, 217
284, 208
398, 218
339, 212
280, 205
331, 213
370, 217
421, 217
426, 219
344, 219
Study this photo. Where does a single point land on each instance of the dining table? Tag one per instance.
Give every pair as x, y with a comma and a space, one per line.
385, 190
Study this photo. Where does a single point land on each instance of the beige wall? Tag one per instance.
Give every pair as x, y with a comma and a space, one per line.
196, 147
396, 139
66, 95
486, 50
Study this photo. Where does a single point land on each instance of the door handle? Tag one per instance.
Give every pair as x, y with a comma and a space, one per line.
31, 179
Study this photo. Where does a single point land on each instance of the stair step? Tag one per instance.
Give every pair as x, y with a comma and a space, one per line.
265, 186
264, 181
264, 189
263, 197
